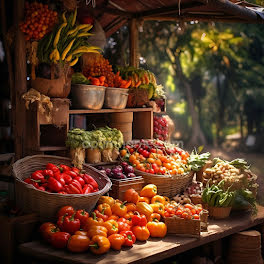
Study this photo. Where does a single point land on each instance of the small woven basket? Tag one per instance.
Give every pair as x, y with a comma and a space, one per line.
219, 212
46, 204
167, 185
187, 227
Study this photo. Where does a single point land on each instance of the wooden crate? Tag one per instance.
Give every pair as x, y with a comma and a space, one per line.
119, 187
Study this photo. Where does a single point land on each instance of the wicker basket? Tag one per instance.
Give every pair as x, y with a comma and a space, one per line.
219, 212
196, 199
185, 227
167, 185
46, 204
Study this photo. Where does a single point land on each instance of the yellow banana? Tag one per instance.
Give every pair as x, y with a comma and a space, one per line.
74, 62
67, 49
57, 37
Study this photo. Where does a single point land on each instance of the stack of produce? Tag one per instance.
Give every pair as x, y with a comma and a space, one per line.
113, 224
39, 20
66, 42
62, 179
96, 68
160, 128
156, 157
102, 144
118, 172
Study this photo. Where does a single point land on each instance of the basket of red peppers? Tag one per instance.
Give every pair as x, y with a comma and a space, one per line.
45, 183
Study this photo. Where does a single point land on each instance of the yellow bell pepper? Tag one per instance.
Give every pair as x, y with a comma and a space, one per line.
149, 190
144, 208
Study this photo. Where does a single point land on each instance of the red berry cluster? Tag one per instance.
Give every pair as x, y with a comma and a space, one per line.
160, 128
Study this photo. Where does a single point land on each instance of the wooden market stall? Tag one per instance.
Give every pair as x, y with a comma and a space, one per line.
34, 134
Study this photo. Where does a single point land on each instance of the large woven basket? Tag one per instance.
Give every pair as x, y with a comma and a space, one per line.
167, 185
46, 204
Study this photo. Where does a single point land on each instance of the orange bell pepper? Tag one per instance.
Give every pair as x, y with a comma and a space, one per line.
144, 199
97, 230
129, 215
78, 243
149, 190
154, 217
119, 209
157, 229
113, 217
106, 199
141, 232
158, 208
91, 221
111, 226
99, 245
131, 207
158, 199
144, 208
82, 233
116, 241
105, 209
131, 196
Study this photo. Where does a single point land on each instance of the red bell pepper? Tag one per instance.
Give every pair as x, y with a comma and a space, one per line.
89, 179
75, 170
41, 188
51, 166
123, 224
87, 188
27, 180
59, 177
80, 180
60, 222
38, 176
72, 173
130, 238
139, 220
64, 168
74, 187
48, 173
54, 185
70, 224
82, 215
62, 192
67, 178
101, 215
34, 183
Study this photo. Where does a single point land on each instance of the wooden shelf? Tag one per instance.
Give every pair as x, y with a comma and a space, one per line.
86, 111
52, 148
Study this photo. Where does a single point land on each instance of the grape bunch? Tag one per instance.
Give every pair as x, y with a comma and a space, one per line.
160, 128
39, 20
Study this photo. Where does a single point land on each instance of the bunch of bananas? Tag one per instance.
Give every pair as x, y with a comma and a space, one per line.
216, 196
66, 42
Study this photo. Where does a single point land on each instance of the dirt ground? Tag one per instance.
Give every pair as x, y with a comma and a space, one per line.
256, 160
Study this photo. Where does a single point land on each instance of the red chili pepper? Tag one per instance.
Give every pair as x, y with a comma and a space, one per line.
130, 238
35, 183
89, 179
71, 225
51, 166
38, 176
101, 215
72, 173
59, 177
65, 167
139, 220
67, 178
87, 188
74, 187
48, 173
41, 188
75, 170
54, 185
80, 180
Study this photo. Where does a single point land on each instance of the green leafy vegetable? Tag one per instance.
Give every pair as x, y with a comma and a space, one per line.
196, 161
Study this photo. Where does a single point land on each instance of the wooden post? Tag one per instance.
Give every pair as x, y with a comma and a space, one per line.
133, 27
20, 87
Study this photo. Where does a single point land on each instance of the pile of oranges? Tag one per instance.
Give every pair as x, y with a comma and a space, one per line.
39, 20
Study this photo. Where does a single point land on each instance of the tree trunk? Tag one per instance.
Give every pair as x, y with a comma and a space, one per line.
197, 137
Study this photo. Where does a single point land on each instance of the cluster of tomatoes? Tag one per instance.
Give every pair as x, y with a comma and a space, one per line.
39, 20
160, 127
155, 159
62, 179
186, 211
113, 223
